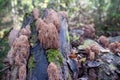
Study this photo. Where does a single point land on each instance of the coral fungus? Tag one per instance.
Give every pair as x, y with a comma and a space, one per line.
114, 47
35, 13
53, 17
89, 31
47, 34
103, 41
53, 72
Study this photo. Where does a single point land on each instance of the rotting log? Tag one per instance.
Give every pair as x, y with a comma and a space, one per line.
56, 28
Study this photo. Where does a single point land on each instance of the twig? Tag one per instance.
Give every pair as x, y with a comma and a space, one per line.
6, 34
2, 70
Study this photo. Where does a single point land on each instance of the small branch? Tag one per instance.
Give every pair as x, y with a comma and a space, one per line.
6, 35
2, 70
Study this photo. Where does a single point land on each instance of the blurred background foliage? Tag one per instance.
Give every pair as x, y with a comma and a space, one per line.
105, 14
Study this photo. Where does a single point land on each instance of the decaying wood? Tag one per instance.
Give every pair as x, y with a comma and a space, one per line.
47, 34
10, 56
64, 14
53, 72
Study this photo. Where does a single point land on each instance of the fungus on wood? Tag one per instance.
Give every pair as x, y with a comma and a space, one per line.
53, 17
103, 41
35, 13
47, 34
53, 72
22, 72
115, 47
92, 55
95, 49
25, 31
89, 31
18, 53
87, 49
12, 36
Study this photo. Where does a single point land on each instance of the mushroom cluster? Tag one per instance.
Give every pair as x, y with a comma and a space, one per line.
89, 31
103, 41
25, 31
93, 51
48, 35
53, 72
48, 30
53, 17
19, 52
115, 47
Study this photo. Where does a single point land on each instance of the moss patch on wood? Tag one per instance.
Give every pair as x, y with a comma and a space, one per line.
31, 62
54, 55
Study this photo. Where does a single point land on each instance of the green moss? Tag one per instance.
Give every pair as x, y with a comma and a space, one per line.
26, 15
68, 37
32, 25
87, 43
54, 55
74, 38
31, 63
4, 48
33, 37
